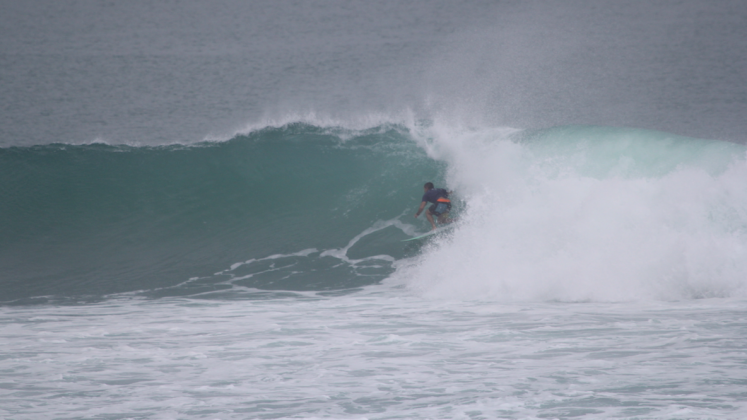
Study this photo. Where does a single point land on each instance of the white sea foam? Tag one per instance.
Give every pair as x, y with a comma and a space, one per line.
587, 220
378, 353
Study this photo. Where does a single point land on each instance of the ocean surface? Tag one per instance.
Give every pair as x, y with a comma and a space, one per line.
203, 208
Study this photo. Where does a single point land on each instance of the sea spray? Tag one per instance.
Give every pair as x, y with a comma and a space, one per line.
589, 214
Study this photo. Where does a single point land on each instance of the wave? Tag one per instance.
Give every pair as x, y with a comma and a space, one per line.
589, 214
568, 213
99, 219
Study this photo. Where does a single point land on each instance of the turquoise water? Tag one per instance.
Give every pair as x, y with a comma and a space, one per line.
97, 219
203, 208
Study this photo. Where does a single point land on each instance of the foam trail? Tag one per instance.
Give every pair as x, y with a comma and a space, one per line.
594, 214
342, 253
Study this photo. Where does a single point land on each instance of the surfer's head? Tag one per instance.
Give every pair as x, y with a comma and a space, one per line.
428, 186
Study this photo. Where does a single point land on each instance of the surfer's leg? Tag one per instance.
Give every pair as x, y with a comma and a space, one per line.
444, 219
429, 216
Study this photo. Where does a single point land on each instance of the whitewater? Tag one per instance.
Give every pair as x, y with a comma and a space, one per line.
379, 353
204, 208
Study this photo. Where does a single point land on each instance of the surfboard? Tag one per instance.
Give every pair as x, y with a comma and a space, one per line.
425, 235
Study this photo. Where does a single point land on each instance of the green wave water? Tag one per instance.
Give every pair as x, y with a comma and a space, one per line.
565, 213
604, 152
92, 220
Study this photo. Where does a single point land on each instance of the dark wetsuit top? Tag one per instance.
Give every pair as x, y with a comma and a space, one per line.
434, 194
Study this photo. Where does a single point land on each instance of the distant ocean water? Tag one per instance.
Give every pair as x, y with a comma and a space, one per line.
203, 210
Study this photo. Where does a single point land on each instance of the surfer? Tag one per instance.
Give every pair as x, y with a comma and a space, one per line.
441, 204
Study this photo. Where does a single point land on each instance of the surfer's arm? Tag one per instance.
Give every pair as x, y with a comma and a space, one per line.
420, 210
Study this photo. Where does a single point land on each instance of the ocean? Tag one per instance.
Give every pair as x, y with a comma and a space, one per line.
204, 209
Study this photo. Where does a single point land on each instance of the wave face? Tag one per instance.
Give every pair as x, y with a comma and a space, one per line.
570, 213
269, 210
